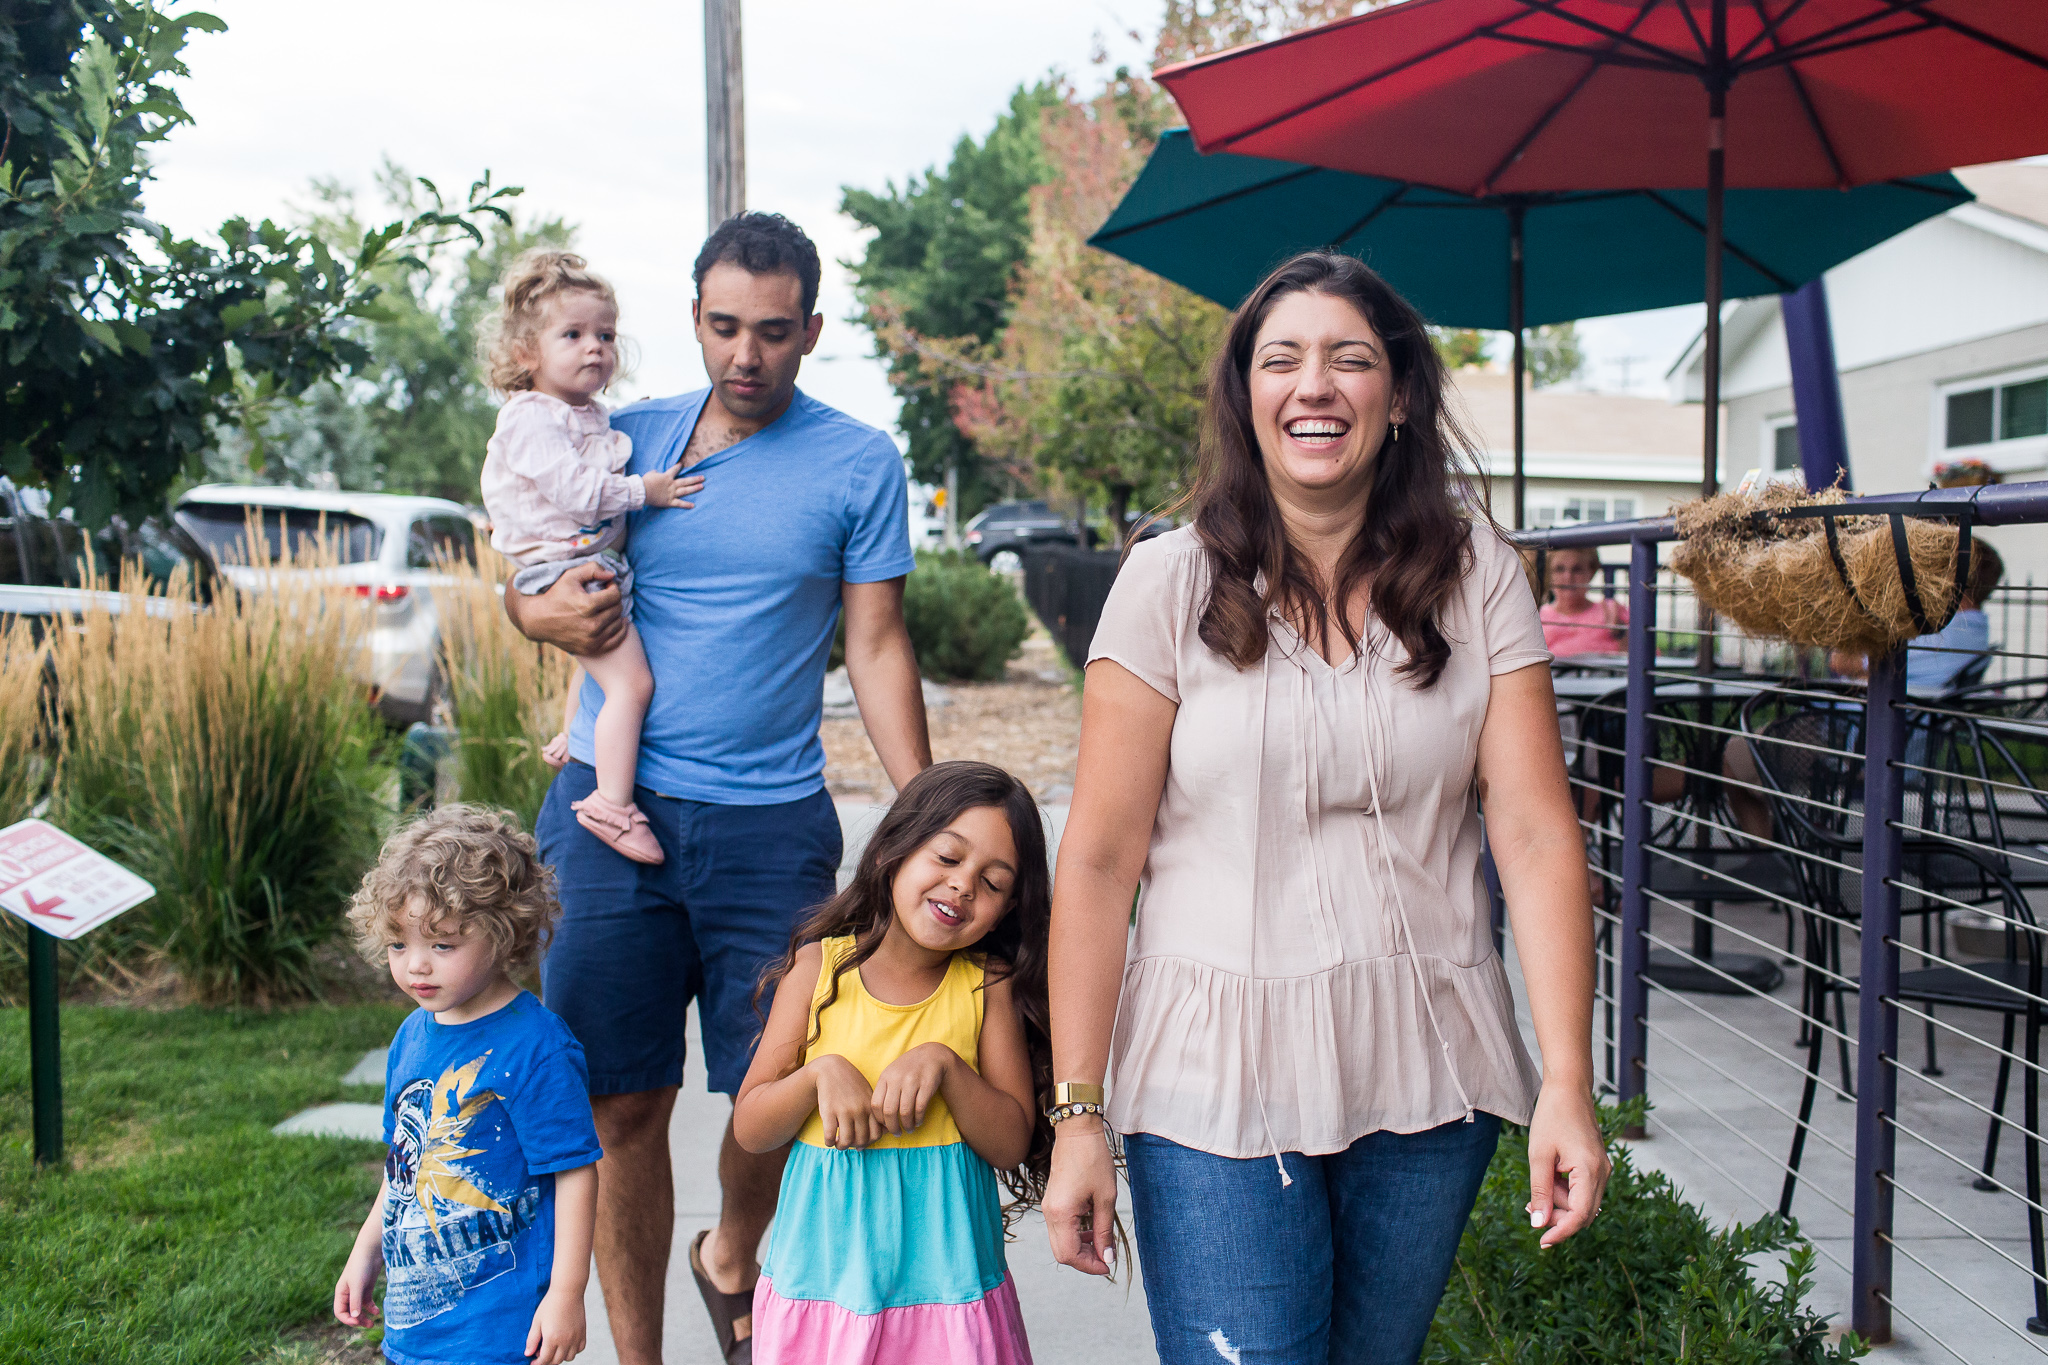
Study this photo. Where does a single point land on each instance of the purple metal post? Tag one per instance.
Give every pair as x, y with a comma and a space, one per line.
1816, 386
1877, 1023
1634, 950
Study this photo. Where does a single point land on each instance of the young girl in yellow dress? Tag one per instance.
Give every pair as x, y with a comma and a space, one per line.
906, 1054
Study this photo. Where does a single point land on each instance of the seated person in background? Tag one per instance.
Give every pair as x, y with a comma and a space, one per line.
1934, 662
1572, 623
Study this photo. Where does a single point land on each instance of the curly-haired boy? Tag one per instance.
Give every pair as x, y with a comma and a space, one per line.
483, 1224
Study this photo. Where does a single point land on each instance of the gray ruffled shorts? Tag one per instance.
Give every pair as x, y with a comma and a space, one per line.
538, 578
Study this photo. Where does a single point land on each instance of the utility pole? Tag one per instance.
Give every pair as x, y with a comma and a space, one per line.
725, 111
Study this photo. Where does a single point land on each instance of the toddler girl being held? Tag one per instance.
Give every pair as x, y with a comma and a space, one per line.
906, 1054
554, 486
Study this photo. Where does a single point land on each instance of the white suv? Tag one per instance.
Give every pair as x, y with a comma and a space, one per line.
387, 545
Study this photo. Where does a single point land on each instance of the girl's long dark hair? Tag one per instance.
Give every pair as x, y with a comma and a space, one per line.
1014, 951
1414, 545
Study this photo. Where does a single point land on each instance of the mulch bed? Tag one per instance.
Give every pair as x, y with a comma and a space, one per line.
1029, 723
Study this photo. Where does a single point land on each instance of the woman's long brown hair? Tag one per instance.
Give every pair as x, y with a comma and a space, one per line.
1013, 951
1414, 545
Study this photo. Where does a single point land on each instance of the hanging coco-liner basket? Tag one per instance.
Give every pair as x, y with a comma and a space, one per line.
1824, 569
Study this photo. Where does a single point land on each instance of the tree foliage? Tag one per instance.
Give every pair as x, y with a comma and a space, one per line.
944, 250
414, 416
123, 346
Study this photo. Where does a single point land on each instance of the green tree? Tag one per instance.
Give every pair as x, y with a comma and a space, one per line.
421, 391
945, 249
1553, 354
1460, 347
125, 347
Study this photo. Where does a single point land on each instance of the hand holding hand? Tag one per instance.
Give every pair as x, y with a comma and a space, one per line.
352, 1302
907, 1086
1568, 1165
666, 488
557, 1334
844, 1100
1080, 1197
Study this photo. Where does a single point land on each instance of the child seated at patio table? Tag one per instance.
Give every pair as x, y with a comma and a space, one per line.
557, 496
483, 1224
1573, 624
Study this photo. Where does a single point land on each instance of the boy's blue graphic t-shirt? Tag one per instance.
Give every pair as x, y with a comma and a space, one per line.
479, 1117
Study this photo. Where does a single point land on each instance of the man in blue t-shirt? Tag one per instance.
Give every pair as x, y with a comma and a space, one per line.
803, 518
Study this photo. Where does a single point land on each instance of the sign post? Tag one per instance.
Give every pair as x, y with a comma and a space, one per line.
61, 890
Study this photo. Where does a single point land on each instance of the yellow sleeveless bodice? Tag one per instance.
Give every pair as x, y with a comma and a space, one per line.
871, 1034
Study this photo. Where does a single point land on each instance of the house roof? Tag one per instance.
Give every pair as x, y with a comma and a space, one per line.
2011, 207
1571, 434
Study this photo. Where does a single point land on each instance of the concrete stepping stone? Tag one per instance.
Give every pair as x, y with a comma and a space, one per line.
361, 1121
370, 1070
364, 1122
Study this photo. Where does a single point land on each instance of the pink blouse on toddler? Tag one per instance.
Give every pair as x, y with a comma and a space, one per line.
552, 480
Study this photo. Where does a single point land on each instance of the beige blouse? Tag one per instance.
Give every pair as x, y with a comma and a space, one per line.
1313, 960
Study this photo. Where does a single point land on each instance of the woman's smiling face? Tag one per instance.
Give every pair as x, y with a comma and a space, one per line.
1322, 395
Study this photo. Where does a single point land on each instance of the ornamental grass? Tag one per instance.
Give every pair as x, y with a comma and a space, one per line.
24, 762
224, 751
507, 691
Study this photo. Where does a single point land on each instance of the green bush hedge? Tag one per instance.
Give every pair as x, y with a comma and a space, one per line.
965, 622
1650, 1281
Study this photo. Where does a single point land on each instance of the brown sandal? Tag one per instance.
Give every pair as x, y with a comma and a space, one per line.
725, 1309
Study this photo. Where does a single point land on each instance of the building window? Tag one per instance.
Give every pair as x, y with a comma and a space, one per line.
1997, 412
1577, 508
1785, 449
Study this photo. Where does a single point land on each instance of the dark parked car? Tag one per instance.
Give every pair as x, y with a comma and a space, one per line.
1010, 526
43, 559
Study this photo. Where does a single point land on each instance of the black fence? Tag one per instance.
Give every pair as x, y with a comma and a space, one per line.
1067, 586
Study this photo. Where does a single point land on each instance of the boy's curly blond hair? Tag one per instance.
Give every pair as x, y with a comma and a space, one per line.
459, 867
536, 277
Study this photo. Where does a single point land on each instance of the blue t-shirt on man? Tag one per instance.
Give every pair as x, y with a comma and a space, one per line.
737, 600
478, 1118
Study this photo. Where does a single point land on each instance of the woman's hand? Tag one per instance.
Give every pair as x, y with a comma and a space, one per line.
1080, 1197
907, 1086
1568, 1165
844, 1102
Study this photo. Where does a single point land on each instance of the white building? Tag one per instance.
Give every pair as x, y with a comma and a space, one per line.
1941, 337
1589, 456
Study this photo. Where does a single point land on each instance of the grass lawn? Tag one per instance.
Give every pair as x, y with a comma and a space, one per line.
182, 1230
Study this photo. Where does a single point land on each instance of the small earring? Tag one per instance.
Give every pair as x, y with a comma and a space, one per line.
1397, 433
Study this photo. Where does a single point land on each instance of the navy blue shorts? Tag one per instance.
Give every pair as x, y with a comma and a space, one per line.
636, 944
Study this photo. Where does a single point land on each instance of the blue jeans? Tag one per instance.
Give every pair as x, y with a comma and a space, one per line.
1343, 1267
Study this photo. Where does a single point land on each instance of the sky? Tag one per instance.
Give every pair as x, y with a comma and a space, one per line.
597, 109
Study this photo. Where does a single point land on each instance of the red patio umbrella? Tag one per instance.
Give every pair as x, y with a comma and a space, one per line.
1492, 97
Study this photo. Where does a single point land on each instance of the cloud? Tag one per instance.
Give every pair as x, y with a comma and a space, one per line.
598, 110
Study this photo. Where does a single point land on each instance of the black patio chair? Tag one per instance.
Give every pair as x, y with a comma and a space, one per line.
1809, 755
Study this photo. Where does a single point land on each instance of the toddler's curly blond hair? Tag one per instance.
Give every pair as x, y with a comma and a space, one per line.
535, 278
459, 867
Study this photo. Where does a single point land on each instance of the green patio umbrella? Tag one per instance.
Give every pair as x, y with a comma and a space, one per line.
1216, 224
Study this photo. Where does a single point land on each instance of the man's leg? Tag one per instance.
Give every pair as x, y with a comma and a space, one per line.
749, 1184
766, 867
620, 972
636, 1217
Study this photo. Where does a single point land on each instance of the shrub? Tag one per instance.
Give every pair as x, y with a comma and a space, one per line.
508, 692
226, 754
1650, 1281
965, 622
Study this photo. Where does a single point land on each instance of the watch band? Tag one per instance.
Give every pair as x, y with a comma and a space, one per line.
1076, 1092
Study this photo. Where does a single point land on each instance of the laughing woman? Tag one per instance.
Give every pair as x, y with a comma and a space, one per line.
1294, 708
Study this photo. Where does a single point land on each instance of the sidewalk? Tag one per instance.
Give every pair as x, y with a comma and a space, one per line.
1069, 1316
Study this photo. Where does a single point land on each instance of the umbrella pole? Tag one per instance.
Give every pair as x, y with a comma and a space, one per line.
1521, 358
1710, 481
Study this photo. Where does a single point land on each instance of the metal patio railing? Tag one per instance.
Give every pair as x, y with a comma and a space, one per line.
1872, 857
